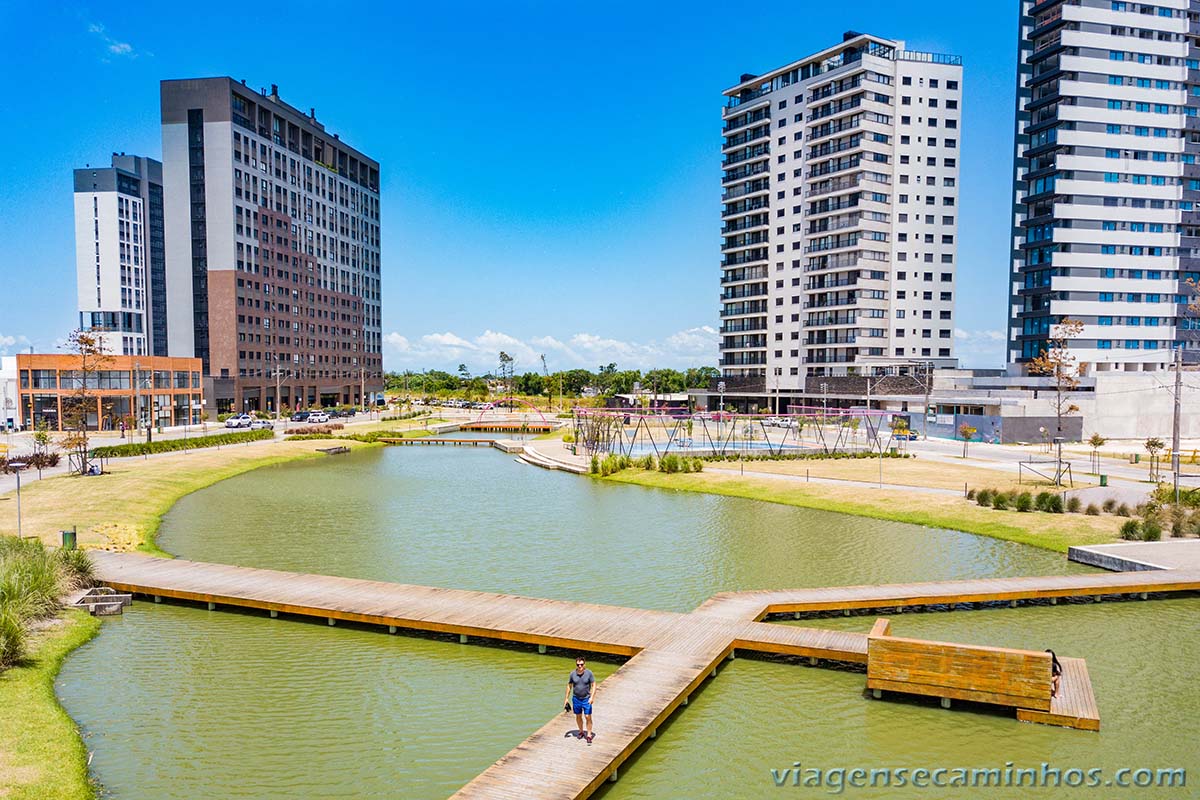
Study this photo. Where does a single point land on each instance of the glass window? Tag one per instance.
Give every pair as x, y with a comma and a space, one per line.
162, 379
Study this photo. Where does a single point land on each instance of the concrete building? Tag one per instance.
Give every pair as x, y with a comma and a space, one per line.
1106, 186
119, 257
273, 254
10, 419
136, 390
840, 218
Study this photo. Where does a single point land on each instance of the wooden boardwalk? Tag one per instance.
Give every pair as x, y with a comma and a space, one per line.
670, 653
430, 440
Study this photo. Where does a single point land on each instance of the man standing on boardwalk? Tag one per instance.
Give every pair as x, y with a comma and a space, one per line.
581, 685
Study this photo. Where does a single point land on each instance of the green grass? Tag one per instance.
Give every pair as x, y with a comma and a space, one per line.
41, 753
1055, 532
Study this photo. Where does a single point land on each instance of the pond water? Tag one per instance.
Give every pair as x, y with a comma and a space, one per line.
180, 702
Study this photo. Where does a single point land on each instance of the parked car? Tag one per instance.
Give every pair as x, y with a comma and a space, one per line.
318, 416
910, 436
262, 425
300, 416
239, 421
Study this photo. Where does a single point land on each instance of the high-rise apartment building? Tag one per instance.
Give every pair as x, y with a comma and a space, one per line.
119, 257
1106, 185
840, 212
273, 249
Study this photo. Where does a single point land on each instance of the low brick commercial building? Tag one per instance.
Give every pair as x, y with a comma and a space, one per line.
136, 390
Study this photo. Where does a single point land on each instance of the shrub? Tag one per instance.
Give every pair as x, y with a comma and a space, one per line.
1131, 530
1092, 510
1123, 510
670, 463
697, 465
32, 579
646, 462
1109, 505
595, 466
1024, 502
174, 445
1000, 501
1151, 529
568, 438
1055, 504
76, 568
1042, 502
984, 497
1074, 504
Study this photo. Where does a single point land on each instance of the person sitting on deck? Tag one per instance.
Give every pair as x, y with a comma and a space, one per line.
581, 686
1055, 673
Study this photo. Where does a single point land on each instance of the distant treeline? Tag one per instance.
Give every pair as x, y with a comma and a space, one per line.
607, 380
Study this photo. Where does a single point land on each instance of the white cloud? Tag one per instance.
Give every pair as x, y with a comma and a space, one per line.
8, 344
686, 348
980, 348
112, 47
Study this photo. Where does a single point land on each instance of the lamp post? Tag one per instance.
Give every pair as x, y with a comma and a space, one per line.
17, 466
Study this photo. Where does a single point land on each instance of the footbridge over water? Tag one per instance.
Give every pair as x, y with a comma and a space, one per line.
670, 653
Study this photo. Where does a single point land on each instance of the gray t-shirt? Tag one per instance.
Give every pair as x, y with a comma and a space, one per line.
581, 685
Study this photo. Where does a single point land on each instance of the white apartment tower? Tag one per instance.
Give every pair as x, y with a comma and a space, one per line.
1106, 184
119, 258
840, 212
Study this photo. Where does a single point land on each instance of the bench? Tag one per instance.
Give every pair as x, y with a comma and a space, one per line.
1020, 679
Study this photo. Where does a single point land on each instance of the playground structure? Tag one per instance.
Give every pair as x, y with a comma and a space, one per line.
802, 430
495, 408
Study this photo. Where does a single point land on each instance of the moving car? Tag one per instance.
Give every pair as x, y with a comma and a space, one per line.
239, 421
300, 416
318, 416
261, 425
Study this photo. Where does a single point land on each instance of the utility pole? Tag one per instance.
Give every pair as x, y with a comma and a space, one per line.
1175, 426
925, 410
362, 387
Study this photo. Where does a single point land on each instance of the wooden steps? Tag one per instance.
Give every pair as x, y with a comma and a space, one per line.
1075, 704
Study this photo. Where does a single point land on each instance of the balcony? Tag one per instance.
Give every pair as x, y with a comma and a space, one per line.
745, 274
750, 187
748, 171
745, 240
755, 221
741, 292
747, 154
833, 243
745, 138
743, 325
743, 359
748, 307
817, 284
837, 87
745, 207
742, 120
829, 148
746, 257
814, 340
829, 109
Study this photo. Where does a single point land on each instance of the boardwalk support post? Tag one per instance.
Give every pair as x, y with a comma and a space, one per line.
613, 778
877, 694
1012, 603
732, 654
685, 701
1053, 601
845, 612
795, 615
542, 649
945, 702
812, 661
274, 614
157, 598
332, 622
391, 628
654, 733
1145, 595
462, 638
212, 606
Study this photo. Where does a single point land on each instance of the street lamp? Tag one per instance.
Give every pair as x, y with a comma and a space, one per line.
17, 466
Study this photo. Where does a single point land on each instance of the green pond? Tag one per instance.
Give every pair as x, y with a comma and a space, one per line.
179, 702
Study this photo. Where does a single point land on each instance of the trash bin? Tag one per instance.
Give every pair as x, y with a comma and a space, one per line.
1104, 480
68, 539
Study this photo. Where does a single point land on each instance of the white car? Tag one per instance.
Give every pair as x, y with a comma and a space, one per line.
318, 416
239, 421
262, 425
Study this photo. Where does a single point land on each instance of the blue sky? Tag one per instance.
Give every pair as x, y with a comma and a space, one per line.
551, 171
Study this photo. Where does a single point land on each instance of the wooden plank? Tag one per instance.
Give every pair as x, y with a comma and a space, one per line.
1075, 704
882, 627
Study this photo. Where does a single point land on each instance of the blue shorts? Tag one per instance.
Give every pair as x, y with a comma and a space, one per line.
580, 706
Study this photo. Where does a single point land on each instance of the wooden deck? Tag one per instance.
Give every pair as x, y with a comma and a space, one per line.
508, 427
430, 440
1075, 704
670, 653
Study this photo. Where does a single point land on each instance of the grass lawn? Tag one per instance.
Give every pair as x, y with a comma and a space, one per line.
907, 471
1050, 531
122, 510
41, 754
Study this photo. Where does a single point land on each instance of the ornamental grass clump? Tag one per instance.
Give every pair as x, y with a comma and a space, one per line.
32, 581
984, 497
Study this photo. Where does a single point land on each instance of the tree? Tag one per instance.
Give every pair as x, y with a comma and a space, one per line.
1153, 445
464, 373
507, 363
80, 404
1060, 363
1096, 442
966, 432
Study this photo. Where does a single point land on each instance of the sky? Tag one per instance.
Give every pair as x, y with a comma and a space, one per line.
550, 170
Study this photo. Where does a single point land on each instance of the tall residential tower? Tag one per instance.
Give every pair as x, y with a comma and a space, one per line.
119, 260
1106, 185
840, 212
273, 252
